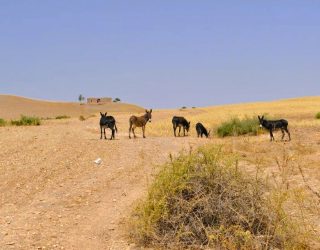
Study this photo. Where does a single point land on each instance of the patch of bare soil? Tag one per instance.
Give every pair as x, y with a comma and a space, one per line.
53, 195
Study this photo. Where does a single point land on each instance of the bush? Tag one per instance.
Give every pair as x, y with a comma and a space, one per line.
26, 121
62, 117
318, 115
236, 127
202, 200
2, 122
82, 118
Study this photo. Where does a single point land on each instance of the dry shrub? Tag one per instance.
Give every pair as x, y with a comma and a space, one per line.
202, 199
59, 117
82, 118
2, 122
236, 126
27, 121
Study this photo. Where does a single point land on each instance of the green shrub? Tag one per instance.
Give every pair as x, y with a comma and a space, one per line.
2, 122
202, 200
318, 115
62, 117
236, 127
26, 121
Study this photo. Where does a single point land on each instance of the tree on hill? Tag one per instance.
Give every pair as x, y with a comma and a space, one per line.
117, 100
81, 98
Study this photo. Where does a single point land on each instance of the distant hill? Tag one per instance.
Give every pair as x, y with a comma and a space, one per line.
14, 106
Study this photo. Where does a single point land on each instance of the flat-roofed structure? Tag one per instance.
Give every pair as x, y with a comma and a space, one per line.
97, 100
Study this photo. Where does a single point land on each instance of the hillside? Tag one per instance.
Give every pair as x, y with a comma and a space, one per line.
14, 106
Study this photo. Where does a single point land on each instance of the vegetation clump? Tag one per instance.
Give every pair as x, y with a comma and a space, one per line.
27, 121
202, 200
318, 115
62, 117
2, 122
236, 127
82, 118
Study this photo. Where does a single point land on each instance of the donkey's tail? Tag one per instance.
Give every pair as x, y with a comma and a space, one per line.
115, 126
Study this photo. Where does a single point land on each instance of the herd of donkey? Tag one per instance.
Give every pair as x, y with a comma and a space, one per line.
181, 122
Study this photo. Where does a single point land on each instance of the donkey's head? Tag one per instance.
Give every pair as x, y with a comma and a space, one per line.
148, 115
103, 115
261, 121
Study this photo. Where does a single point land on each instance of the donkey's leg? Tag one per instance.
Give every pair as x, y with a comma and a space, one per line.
286, 129
179, 130
184, 131
282, 131
130, 127
134, 134
100, 132
143, 131
174, 130
104, 131
271, 135
112, 134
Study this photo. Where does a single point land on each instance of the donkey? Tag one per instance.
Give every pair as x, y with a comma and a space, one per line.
178, 121
140, 121
107, 122
201, 130
274, 125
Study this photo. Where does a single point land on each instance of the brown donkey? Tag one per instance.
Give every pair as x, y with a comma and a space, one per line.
140, 121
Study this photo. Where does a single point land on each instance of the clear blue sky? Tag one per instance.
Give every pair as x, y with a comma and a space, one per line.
160, 53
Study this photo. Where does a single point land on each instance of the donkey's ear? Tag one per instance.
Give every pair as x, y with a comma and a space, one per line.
259, 117
150, 110
189, 123
262, 117
101, 114
105, 113
147, 111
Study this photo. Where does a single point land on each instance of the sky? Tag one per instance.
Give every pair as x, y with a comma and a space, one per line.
160, 53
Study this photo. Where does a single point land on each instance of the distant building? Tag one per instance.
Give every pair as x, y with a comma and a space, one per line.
102, 100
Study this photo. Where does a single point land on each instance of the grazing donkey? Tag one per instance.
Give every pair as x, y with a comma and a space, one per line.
178, 121
140, 121
107, 122
274, 125
201, 130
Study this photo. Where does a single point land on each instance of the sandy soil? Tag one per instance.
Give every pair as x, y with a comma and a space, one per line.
53, 196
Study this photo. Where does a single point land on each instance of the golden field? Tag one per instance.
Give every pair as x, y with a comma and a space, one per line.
53, 196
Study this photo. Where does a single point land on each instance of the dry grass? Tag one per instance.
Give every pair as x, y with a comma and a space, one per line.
299, 112
293, 200
204, 199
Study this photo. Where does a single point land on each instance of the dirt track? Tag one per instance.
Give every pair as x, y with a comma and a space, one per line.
54, 196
